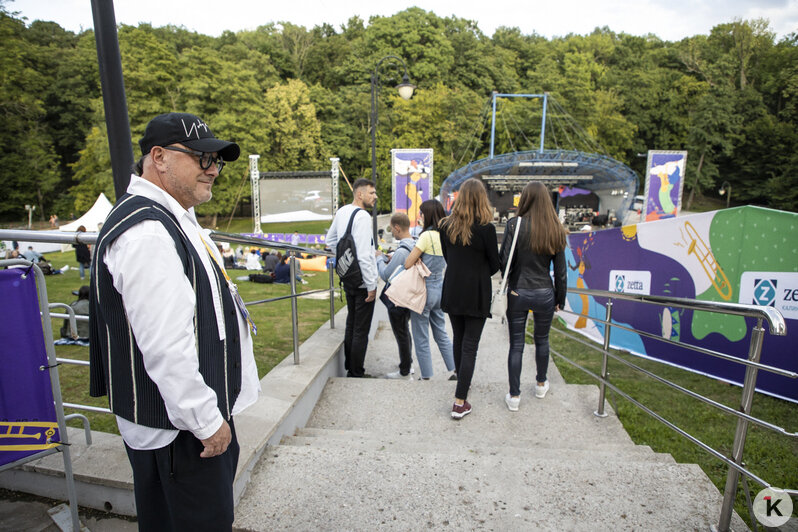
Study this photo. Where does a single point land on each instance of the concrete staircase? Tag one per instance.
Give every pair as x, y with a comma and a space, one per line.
385, 454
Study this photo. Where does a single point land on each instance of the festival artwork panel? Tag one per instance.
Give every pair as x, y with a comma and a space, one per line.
664, 184
739, 255
412, 180
28, 422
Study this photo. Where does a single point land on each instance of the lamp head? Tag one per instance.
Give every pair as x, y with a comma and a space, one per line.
406, 88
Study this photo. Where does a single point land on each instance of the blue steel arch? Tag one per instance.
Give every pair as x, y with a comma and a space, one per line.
612, 181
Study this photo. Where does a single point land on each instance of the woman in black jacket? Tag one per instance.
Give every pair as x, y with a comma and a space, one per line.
468, 240
83, 255
541, 242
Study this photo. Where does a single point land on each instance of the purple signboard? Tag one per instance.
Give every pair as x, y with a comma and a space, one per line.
664, 184
412, 181
28, 423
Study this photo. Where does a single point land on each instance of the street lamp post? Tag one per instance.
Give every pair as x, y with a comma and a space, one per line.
30, 209
405, 89
725, 188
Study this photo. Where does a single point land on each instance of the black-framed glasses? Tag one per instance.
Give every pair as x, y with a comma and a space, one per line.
205, 159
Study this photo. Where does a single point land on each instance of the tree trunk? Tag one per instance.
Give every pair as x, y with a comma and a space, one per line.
213, 220
695, 183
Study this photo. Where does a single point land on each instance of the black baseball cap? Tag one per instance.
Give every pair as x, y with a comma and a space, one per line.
188, 130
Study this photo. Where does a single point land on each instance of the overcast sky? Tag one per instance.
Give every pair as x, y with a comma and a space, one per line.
669, 19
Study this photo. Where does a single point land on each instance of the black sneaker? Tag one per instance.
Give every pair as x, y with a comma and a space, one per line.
453, 376
460, 411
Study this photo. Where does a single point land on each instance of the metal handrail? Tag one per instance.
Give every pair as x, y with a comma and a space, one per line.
84, 237
776, 325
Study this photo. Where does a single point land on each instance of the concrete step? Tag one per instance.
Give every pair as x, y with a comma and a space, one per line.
411, 445
387, 407
310, 488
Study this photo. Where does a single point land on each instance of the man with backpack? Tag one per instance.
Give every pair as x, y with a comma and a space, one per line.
399, 317
350, 238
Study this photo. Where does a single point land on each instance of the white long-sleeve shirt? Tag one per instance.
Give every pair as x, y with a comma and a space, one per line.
362, 231
160, 303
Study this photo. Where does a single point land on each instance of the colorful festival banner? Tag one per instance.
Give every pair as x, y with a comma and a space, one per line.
664, 184
740, 255
28, 423
305, 239
412, 181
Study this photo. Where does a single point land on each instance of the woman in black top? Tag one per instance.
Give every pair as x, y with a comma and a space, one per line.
468, 240
541, 242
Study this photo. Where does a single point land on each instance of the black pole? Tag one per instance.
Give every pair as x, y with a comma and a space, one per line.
113, 86
374, 89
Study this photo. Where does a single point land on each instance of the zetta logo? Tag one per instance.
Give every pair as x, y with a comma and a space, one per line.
765, 292
772, 507
620, 281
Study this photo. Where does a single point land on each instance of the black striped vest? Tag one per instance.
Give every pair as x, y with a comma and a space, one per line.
116, 366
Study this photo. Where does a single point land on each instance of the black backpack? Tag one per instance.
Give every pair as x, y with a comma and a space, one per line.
346, 263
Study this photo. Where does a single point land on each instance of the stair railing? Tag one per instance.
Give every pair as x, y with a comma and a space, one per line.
776, 326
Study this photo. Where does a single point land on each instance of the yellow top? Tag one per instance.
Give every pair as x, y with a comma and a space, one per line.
430, 243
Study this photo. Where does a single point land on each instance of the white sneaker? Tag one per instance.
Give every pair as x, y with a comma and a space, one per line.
540, 391
512, 402
65, 268
398, 375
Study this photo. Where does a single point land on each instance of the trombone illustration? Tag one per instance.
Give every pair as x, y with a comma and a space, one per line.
40, 431
699, 248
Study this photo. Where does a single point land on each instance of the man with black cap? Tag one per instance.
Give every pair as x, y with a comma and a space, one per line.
171, 340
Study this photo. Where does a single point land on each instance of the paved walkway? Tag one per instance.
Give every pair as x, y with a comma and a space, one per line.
385, 454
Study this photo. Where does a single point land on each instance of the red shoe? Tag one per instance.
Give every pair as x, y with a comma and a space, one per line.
460, 411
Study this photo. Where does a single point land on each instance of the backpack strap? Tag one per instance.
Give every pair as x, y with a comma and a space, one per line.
352, 220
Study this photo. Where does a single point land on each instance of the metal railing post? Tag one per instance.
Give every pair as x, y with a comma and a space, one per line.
602, 387
749, 385
294, 323
332, 294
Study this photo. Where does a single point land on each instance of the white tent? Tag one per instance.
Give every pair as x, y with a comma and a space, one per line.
93, 217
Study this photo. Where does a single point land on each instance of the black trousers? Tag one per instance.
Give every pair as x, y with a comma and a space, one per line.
176, 490
467, 330
399, 317
358, 323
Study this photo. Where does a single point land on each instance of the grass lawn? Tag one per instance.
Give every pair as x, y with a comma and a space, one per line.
273, 343
771, 456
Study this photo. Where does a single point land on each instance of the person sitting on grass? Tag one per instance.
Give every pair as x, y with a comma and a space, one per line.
81, 308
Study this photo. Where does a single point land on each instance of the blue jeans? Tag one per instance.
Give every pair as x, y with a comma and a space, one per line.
83, 268
420, 323
519, 302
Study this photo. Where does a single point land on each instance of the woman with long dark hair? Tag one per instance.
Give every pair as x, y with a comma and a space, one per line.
541, 243
428, 250
468, 239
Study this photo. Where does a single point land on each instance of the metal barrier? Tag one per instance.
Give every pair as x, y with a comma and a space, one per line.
61, 237
776, 325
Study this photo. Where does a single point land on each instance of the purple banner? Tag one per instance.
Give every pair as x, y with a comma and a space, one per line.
664, 184
304, 239
412, 181
28, 423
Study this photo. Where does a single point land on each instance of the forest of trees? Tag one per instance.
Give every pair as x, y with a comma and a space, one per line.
298, 96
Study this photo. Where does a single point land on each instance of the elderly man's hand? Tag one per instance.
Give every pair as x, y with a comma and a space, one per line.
218, 442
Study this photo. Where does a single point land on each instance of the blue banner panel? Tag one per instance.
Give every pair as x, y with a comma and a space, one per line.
28, 423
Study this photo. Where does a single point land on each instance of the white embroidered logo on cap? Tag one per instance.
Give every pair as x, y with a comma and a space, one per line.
195, 127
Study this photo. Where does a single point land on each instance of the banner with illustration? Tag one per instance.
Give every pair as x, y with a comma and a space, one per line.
740, 255
664, 184
412, 180
28, 422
